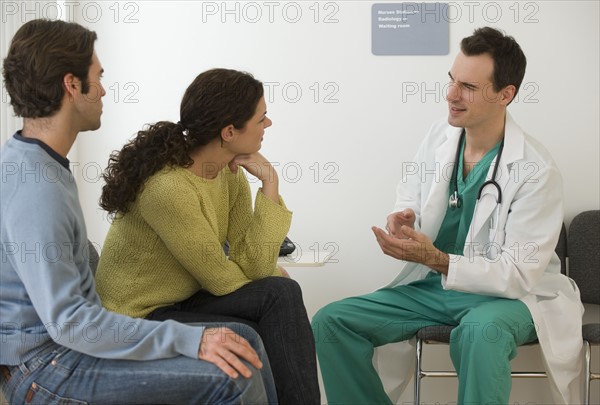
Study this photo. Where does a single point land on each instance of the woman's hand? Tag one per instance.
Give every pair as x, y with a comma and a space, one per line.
284, 272
256, 165
262, 169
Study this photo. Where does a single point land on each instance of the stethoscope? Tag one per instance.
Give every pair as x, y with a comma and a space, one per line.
455, 200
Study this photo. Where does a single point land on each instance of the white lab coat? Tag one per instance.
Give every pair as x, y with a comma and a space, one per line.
509, 250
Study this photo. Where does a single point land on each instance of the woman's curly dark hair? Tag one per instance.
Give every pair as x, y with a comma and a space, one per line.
215, 99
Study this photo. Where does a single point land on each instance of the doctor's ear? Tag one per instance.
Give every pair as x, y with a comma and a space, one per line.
507, 94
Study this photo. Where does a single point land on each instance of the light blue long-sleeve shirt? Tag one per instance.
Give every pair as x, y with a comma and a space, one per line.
47, 290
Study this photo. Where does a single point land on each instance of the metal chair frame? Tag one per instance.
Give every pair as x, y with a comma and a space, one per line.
420, 373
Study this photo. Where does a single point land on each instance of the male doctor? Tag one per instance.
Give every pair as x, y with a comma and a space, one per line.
477, 248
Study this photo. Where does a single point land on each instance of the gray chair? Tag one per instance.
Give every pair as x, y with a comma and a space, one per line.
440, 334
584, 268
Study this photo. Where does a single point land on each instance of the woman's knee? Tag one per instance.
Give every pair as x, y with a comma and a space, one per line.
280, 284
279, 288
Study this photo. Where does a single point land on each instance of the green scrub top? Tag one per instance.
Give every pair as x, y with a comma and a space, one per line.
455, 226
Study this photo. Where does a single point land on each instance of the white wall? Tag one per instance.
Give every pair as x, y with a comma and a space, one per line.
350, 151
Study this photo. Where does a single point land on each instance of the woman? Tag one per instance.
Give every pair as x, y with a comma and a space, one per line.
177, 195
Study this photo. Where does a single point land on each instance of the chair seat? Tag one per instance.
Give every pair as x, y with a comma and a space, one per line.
441, 333
591, 332
437, 333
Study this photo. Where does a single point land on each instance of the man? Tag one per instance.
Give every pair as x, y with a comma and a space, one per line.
57, 341
478, 246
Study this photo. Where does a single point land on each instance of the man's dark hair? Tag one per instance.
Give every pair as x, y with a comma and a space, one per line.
509, 59
41, 53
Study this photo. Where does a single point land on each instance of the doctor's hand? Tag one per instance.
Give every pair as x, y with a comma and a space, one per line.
226, 349
397, 219
414, 247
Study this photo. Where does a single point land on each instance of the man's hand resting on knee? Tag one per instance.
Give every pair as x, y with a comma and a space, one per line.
225, 349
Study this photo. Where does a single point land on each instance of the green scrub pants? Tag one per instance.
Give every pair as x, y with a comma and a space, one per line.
481, 347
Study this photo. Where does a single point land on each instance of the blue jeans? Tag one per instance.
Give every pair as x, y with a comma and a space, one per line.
59, 375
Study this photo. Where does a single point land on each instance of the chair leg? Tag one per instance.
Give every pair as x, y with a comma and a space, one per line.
586, 367
418, 371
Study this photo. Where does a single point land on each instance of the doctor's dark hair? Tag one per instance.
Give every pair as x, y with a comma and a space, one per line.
41, 53
509, 59
215, 99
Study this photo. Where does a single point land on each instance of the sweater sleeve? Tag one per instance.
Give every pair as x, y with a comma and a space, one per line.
171, 206
61, 290
256, 235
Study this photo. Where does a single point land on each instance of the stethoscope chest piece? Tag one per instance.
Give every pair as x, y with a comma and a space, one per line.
455, 201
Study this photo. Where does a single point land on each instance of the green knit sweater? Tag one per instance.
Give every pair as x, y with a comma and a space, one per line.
170, 244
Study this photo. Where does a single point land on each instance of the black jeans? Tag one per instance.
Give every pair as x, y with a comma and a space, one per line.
274, 307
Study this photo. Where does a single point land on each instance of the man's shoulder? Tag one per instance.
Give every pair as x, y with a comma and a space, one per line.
28, 172
536, 150
15, 151
9, 149
533, 148
37, 191
28, 162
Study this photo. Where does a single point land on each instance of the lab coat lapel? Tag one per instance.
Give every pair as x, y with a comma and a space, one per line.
513, 151
484, 207
436, 203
